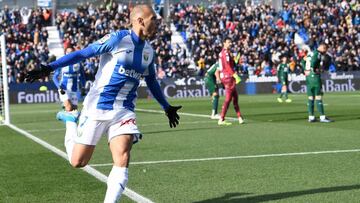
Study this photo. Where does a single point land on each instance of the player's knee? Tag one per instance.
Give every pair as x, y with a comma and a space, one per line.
123, 159
78, 163
318, 97
68, 107
311, 98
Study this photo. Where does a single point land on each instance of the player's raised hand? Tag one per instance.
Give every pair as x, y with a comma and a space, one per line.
171, 113
38, 73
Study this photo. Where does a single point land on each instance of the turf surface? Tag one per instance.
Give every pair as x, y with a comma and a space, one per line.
33, 174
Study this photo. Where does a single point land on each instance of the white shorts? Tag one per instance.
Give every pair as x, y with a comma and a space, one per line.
90, 130
69, 95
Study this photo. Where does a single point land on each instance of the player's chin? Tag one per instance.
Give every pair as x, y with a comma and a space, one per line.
151, 35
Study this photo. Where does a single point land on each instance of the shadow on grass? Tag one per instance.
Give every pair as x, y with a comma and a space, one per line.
236, 197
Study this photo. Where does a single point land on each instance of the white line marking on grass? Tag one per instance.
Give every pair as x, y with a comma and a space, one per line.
181, 113
32, 111
236, 157
90, 170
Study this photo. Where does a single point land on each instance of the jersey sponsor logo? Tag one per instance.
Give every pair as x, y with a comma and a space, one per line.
104, 39
131, 73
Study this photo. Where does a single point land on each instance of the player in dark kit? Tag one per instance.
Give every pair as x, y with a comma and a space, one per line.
229, 78
210, 83
282, 73
313, 65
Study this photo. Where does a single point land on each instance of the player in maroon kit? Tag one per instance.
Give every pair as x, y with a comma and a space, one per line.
229, 78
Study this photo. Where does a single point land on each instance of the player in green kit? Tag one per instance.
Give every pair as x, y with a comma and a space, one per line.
282, 73
313, 83
211, 84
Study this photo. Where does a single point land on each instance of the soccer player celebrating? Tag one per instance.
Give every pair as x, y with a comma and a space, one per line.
125, 56
282, 73
229, 78
210, 83
313, 83
68, 83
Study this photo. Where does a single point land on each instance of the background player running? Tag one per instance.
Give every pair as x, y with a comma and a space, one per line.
68, 85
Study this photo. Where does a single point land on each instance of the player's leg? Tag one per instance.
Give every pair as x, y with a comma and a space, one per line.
120, 147
78, 154
81, 155
228, 84
311, 96
213, 90
66, 99
287, 99
215, 104
279, 99
320, 105
121, 135
235, 97
80, 140
67, 105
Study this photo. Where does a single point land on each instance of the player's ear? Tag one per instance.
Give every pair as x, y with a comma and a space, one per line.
140, 21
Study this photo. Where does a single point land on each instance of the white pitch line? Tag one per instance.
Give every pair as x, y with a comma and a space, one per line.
236, 157
90, 170
181, 113
31, 112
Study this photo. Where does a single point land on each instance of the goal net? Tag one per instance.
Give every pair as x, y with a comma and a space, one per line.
4, 89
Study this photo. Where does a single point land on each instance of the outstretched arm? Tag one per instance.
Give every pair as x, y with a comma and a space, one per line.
104, 45
73, 57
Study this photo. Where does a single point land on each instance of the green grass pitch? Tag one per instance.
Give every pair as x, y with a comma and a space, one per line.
198, 161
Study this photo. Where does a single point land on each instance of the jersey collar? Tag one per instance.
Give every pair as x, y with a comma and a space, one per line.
136, 38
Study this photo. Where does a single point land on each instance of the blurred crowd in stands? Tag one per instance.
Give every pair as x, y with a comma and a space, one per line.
87, 24
260, 35
26, 39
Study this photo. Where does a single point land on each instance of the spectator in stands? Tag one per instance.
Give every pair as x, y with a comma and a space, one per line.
264, 34
26, 40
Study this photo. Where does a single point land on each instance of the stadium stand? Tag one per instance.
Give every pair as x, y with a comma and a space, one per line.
260, 35
26, 40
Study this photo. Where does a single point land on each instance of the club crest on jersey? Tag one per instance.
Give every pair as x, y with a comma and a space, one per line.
104, 39
146, 56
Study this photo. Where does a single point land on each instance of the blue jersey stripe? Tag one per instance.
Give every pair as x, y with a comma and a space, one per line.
70, 73
128, 103
111, 90
137, 59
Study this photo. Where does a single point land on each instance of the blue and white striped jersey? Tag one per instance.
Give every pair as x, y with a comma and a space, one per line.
70, 76
124, 59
